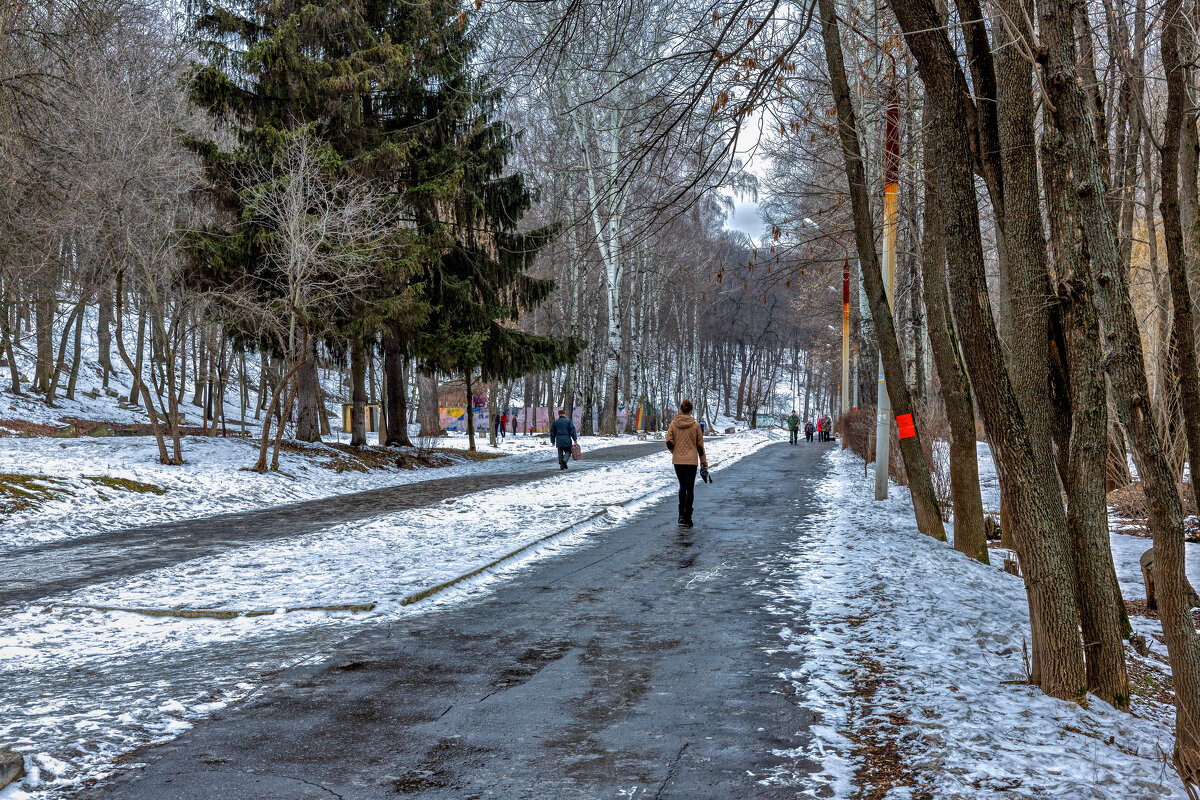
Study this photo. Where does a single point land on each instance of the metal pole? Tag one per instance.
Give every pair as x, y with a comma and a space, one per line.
891, 191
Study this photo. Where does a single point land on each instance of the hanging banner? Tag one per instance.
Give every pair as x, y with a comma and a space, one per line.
907, 429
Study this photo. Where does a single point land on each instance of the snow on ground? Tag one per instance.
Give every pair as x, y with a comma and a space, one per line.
909, 642
93, 685
212, 481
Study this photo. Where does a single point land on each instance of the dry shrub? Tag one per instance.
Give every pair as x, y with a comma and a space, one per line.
934, 426
1129, 502
857, 429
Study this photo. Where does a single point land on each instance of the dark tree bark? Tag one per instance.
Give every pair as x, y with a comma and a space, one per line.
1068, 113
427, 405
309, 411
1102, 611
396, 388
358, 392
970, 535
1183, 335
104, 331
920, 484
1029, 483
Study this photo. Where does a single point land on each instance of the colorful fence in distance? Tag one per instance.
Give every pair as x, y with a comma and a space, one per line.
455, 419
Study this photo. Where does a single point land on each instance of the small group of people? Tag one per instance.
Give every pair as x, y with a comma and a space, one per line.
823, 429
504, 423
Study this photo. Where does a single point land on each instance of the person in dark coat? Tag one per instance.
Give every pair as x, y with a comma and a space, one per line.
563, 436
808, 431
794, 428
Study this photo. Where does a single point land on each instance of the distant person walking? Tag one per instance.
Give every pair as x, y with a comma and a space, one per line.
828, 428
563, 436
808, 431
820, 429
794, 428
514, 424
685, 440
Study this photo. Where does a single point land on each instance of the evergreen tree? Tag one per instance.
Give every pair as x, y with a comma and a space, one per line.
468, 204
388, 86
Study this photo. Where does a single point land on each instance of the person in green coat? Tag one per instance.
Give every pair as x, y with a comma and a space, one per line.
794, 427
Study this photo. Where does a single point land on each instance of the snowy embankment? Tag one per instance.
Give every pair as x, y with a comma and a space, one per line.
915, 659
66, 487
91, 685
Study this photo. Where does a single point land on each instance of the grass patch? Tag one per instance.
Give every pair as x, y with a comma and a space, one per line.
23, 492
479, 455
125, 484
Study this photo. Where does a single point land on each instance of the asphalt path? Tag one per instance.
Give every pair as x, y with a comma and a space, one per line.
55, 568
646, 663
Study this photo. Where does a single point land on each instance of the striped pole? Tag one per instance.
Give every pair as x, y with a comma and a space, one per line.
891, 193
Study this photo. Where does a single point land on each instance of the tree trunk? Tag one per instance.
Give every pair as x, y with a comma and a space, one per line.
358, 393
309, 412
427, 405
104, 332
920, 484
1125, 368
396, 388
1030, 485
44, 309
1183, 325
470, 412
970, 535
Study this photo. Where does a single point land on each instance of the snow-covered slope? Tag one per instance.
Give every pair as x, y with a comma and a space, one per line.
914, 647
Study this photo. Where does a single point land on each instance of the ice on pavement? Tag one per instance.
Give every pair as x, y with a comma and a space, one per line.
874, 598
90, 685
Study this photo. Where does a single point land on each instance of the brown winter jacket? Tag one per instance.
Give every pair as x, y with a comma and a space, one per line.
685, 440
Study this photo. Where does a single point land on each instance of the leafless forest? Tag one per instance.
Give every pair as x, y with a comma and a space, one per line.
531, 199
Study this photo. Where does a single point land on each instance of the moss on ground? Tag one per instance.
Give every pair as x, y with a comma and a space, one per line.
23, 492
125, 484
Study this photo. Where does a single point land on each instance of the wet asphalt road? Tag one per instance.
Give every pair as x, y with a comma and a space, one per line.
56, 568
643, 664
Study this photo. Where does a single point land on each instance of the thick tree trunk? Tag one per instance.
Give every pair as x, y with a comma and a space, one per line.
1183, 325
1125, 368
920, 484
44, 309
1102, 611
1029, 484
470, 411
970, 535
396, 388
309, 412
358, 393
427, 405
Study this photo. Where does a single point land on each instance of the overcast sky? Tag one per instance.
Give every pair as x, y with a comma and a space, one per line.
745, 216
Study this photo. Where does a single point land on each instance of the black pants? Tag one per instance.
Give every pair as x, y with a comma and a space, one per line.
795, 436
564, 455
687, 489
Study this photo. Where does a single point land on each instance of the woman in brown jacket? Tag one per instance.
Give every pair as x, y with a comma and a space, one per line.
685, 440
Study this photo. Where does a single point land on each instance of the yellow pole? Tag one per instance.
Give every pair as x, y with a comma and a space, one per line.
891, 194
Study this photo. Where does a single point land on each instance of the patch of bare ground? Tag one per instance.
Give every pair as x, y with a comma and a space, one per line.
344, 458
1139, 608
1128, 514
877, 750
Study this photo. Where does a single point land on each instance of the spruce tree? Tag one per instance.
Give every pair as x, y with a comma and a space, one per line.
389, 86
